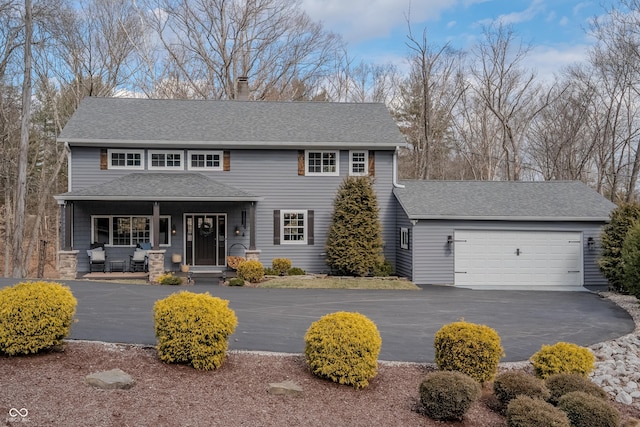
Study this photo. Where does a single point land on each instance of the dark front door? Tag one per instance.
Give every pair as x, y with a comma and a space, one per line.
206, 236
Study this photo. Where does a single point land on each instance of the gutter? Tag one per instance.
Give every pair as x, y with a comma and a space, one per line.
395, 170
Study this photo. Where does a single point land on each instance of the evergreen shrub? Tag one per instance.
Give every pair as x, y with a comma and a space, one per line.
586, 410
612, 239
252, 271
296, 271
236, 281
281, 265
34, 316
448, 395
563, 357
354, 242
630, 255
525, 411
561, 384
509, 385
169, 279
343, 347
193, 329
469, 348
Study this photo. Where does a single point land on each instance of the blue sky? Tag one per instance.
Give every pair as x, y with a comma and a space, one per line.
376, 30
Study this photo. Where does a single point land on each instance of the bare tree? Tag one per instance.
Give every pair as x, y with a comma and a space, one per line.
208, 44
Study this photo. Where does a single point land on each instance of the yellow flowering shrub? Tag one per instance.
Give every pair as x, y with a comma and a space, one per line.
468, 348
169, 279
563, 357
343, 347
34, 316
281, 265
251, 271
194, 329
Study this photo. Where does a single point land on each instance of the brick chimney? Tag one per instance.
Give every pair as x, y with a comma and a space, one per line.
242, 89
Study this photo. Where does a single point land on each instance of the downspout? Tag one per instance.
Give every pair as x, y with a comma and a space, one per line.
68, 149
395, 170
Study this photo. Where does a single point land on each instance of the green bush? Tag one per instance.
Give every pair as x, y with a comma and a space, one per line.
251, 271
354, 242
468, 348
268, 271
612, 239
561, 384
343, 347
193, 329
525, 411
296, 271
34, 316
563, 357
448, 395
236, 281
586, 410
383, 270
509, 385
169, 279
631, 261
281, 265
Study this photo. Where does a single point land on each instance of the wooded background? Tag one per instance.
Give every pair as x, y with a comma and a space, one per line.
476, 114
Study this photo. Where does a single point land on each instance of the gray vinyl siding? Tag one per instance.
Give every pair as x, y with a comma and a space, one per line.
433, 260
270, 174
404, 257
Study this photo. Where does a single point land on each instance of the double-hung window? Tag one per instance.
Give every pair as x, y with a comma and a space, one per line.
165, 160
404, 238
359, 163
294, 227
205, 160
125, 159
322, 162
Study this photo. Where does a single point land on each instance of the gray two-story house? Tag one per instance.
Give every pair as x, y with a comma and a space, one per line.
202, 180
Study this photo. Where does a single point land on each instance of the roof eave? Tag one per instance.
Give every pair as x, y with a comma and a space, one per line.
509, 218
71, 198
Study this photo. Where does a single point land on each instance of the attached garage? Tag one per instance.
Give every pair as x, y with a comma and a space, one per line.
487, 258
500, 235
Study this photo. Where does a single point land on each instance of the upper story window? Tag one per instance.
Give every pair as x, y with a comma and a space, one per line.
125, 159
205, 160
165, 159
322, 162
359, 163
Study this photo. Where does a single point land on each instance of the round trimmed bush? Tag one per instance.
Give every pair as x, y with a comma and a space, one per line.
236, 281
525, 411
448, 395
343, 347
561, 384
281, 265
586, 410
193, 329
34, 316
252, 271
509, 385
563, 357
468, 348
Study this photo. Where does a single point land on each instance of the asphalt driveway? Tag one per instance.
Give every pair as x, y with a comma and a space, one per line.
277, 319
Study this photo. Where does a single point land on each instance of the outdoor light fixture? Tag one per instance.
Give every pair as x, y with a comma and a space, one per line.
236, 231
173, 230
590, 243
449, 240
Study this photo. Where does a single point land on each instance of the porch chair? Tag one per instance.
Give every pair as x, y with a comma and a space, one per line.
139, 261
97, 257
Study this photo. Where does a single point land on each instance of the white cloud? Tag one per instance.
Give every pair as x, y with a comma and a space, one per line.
536, 7
563, 21
550, 60
358, 20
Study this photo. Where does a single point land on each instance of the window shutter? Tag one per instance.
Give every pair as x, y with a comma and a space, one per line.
301, 162
276, 227
104, 159
372, 163
310, 227
226, 161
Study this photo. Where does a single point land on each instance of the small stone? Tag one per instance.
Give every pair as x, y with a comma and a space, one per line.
624, 397
110, 380
287, 388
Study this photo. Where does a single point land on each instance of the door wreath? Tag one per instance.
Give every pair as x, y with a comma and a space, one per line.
206, 229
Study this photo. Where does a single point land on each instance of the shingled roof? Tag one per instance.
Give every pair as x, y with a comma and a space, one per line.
503, 200
231, 124
169, 186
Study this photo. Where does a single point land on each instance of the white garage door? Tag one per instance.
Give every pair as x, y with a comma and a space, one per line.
517, 259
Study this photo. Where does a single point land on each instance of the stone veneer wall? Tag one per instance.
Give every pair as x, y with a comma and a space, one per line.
68, 264
156, 264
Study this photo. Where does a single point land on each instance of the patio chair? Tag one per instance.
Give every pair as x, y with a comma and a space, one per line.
138, 261
97, 257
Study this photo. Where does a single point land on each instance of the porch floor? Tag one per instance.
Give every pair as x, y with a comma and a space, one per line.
116, 275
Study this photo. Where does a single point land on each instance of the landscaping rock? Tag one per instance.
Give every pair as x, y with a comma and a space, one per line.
287, 388
110, 380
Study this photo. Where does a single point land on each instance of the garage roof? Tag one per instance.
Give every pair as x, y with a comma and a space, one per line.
503, 200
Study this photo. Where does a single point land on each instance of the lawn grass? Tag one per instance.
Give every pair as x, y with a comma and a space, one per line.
333, 282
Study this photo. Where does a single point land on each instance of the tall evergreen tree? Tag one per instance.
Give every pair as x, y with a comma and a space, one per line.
354, 244
630, 255
612, 239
